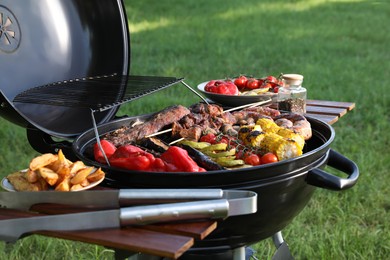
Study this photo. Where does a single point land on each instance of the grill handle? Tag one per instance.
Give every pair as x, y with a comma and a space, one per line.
44, 143
323, 179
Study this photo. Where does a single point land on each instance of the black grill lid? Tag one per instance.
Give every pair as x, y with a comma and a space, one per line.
46, 41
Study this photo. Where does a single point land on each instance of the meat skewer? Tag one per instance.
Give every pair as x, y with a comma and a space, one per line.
225, 111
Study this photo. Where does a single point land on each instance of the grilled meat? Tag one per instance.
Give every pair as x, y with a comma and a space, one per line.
129, 134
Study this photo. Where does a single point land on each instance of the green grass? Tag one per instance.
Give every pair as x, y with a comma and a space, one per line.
342, 49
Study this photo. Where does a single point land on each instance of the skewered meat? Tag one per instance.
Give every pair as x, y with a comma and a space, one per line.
295, 122
128, 134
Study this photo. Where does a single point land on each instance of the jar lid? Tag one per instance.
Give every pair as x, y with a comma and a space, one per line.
293, 79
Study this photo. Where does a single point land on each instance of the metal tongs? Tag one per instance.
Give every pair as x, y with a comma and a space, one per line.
152, 206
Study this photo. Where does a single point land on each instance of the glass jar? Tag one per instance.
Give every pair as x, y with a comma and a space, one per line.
292, 96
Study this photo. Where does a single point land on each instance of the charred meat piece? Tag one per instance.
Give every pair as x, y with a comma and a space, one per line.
128, 134
255, 113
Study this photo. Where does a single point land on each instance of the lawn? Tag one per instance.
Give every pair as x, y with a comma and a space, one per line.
342, 49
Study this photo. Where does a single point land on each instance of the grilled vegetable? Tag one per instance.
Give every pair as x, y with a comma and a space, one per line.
229, 161
246, 130
267, 125
254, 138
230, 152
215, 147
201, 159
194, 144
283, 148
290, 134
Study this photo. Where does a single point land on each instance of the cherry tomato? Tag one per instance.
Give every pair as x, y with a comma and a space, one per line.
209, 138
272, 79
252, 84
268, 158
241, 81
252, 159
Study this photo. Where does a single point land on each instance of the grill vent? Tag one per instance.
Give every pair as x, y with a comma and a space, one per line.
9, 31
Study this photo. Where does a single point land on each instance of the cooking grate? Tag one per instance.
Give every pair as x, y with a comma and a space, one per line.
97, 93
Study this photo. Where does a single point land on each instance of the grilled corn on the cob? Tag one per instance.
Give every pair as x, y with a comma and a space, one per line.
254, 138
290, 134
245, 130
282, 147
267, 125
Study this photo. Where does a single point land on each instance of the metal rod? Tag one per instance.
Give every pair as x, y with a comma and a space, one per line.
98, 138
196, 93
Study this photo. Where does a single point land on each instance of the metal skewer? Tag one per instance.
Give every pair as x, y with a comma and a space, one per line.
228, 110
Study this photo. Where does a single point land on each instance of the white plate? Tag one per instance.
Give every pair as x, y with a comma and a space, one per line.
233, 100
6, 185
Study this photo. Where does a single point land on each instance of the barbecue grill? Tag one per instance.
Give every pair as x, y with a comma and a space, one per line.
74, 80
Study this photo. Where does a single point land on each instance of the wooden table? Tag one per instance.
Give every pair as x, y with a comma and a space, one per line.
328, 111
168, 240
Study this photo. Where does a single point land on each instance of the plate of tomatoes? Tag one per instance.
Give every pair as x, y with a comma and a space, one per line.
241, 90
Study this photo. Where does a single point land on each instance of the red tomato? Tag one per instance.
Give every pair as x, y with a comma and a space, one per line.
252, 159
272, 79
252, 84
241, 81
268, 158
209, 138
222, 87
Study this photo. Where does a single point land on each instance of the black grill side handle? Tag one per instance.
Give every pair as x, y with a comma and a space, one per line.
44, 143
320, 178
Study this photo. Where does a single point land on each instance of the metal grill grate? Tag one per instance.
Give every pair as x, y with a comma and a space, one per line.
97, 93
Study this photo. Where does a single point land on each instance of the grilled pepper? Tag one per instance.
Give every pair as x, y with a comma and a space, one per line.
179, 158
132, 158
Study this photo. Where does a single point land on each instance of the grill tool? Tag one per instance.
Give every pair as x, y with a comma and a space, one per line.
212, 204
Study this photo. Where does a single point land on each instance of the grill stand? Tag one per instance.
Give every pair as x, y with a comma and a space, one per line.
241, 253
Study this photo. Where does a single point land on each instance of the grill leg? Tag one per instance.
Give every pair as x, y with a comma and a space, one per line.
283, 251
239, 253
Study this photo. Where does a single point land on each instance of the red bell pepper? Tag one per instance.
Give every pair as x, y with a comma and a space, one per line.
180, 159
132, 158
108, 148
225, 87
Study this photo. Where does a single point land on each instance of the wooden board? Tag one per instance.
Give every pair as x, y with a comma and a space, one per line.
328, 111
167, 240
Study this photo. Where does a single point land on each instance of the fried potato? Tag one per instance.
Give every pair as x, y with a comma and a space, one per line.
60, 162
42, 161
76, 187
84, 183
81, 175
64, 185
75, 167
32, 176
50, 171
96, 176
48, 175
20, 182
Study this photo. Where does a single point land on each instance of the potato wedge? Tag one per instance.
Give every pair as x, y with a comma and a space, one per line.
42, 161
64, 185
60, 162
75, 167
76, 187
96, 176
81, 175
49, 175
